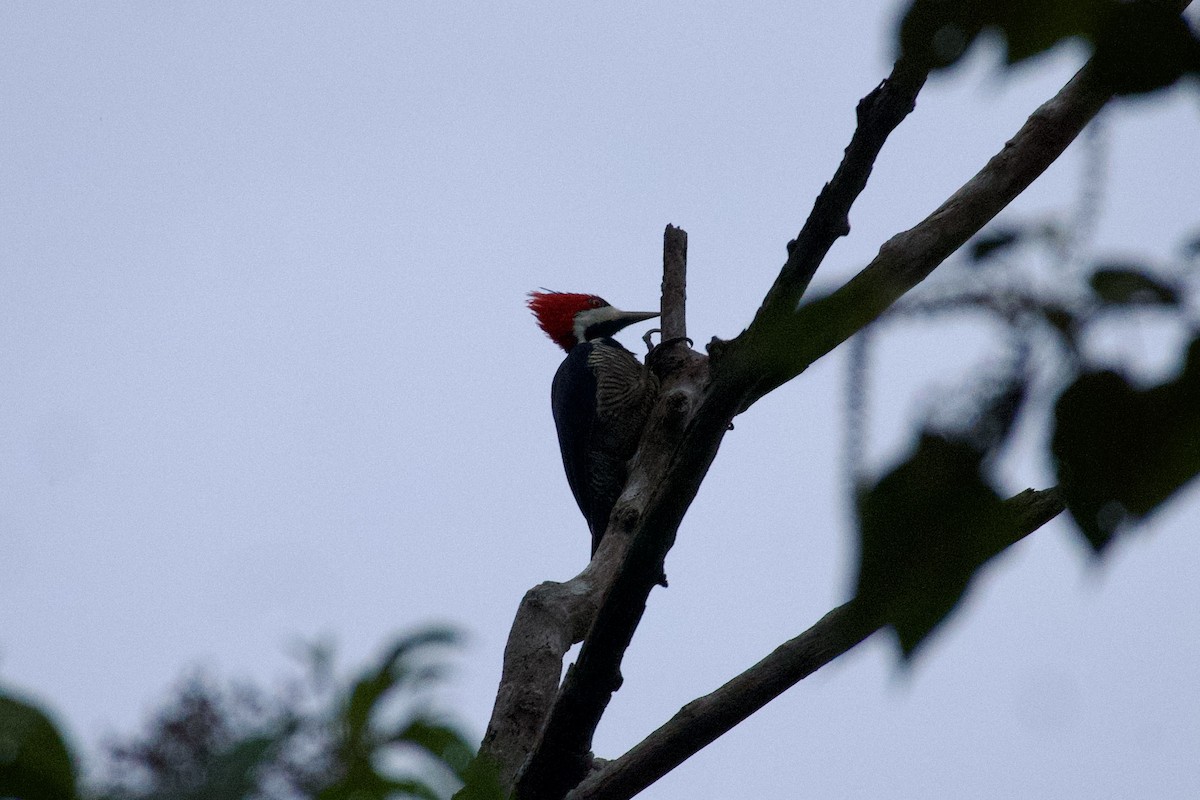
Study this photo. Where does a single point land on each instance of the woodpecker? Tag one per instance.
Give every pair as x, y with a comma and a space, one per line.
600, 397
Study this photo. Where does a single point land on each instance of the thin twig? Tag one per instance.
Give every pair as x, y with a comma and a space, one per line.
879, 113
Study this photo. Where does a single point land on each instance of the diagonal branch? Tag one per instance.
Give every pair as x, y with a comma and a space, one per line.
879, 113
778, 347
703, 720
783, 340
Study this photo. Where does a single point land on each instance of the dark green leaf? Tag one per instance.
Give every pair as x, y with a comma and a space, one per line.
35, 763
926, 527
1128, 284
234, 774
404, 668
992, 242
1121, 452
411, 788
397, 667
1144, 46
441, 741
938, 32
482, 781
1140, 46
375, 787
1031, 27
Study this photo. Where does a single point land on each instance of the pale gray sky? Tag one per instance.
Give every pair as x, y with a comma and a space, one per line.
268, 374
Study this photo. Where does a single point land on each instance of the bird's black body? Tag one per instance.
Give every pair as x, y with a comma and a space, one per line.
600, 397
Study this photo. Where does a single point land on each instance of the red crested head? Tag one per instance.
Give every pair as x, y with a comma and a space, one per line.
555, 313
570, 318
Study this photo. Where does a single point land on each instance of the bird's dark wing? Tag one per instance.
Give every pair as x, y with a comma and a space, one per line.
573, 401
601, 397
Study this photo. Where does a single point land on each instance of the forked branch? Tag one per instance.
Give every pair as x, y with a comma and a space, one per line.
640, 540
540, 738
779, 346
691, 418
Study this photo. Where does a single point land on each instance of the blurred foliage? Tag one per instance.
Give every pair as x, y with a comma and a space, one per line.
992, 243
1140, 45
926, 528
1121, 450
34, 761
1128, 284
376, 738
928, 524
932, 521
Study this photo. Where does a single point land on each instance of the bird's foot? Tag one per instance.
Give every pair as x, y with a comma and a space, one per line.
677, 340
650, 347
646, 338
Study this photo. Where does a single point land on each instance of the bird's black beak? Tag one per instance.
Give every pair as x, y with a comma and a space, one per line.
623, 319
626, 318
608, 320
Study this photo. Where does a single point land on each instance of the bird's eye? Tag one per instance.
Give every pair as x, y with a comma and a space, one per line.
595, 302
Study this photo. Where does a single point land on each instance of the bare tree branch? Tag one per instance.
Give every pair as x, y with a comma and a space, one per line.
682, 438
694, 410
554, 616
674, 285
562, 755
779, 347
879, 113
551, 618
703, 720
